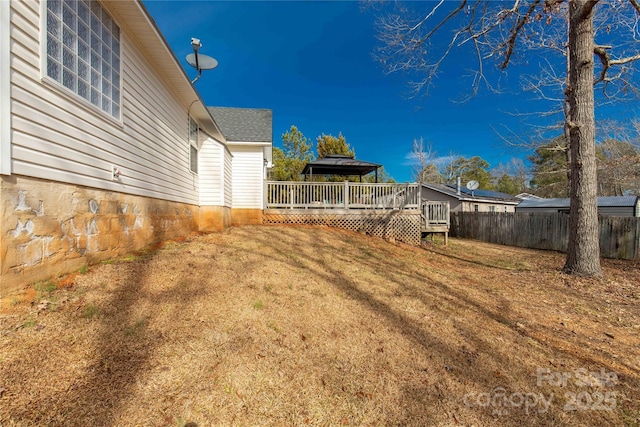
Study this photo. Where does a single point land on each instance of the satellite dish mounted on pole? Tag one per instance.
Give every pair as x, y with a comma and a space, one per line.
472, 185
198, 61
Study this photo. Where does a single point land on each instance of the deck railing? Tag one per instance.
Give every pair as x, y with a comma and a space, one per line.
341, 195
435, 214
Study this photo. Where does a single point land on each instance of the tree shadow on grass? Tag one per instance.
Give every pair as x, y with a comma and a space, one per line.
474, 376
121, 350
498, 310
122, 353
406, 326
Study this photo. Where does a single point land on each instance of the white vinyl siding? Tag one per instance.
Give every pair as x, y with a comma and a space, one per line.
58, 138
211, 162
248, 164
5, 88
228, 178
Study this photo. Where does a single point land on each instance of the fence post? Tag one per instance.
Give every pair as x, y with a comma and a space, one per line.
394, 202
290, 196
346, 194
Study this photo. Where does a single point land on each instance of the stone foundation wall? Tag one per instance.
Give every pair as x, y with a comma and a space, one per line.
246, 216
49, 228
214, 218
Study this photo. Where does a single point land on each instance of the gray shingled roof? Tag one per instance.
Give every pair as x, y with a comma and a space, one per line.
605, 201
244, 124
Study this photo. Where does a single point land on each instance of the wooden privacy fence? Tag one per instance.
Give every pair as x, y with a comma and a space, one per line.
619, 236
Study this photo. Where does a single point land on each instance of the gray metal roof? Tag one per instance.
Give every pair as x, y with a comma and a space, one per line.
244, 124
525, 196
466, 194
603, 202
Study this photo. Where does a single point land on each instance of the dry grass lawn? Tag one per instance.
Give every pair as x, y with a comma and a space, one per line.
294, 326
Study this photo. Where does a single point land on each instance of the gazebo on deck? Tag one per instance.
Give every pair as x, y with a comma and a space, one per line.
389, 210
340, 164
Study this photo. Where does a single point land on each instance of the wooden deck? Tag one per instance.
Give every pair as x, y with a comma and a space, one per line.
394, 210
341, 195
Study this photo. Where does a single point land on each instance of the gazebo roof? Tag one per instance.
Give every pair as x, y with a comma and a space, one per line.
339, 164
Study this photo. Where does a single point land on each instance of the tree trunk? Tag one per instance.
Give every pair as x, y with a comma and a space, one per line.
583, 255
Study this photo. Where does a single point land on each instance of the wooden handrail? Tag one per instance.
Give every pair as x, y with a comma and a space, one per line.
436, 213
341, 195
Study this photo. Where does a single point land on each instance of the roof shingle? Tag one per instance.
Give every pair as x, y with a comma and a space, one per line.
244, 124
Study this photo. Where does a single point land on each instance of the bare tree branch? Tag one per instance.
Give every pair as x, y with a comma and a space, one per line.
515, 32
460, 7
587, 8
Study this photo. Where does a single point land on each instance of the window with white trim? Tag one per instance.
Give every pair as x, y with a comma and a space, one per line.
193, 145
83, 52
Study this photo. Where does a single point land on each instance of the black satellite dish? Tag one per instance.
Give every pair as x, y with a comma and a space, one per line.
199, 61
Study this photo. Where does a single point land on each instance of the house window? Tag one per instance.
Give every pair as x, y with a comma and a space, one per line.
193, 145
476, 208
83, 52
492, 208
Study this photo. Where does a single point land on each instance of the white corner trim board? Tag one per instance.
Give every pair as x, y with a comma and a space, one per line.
5, 87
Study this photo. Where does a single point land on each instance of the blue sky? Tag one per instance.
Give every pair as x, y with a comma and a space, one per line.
311, 63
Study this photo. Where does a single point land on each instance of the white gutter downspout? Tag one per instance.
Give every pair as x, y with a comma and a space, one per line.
5, 87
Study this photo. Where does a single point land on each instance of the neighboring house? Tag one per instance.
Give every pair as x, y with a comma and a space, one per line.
462, 199
610, 206
249, 135
105, 145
